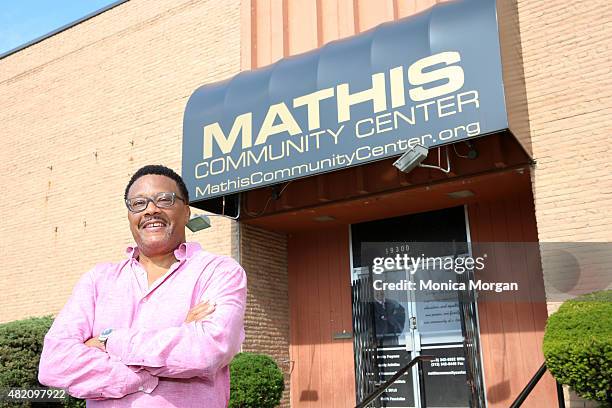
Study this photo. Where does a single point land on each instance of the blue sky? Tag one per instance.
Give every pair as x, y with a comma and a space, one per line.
24, 20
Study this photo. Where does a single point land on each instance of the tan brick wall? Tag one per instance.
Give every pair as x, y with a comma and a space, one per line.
567, 58
81, 111
557, 70
264, 257
557, 62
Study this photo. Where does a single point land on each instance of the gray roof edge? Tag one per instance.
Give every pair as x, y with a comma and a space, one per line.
62, 28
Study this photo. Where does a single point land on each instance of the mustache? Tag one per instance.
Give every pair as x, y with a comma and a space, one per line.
152, 218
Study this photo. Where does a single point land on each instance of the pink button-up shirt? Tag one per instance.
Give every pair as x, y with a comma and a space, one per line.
153, 358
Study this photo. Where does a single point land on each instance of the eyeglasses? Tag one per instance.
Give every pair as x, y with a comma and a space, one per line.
161, 200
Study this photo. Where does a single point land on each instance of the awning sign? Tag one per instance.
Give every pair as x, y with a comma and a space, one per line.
432, 79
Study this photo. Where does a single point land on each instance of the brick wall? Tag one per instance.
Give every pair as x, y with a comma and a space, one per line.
566, 58
557, 60
264, 257
81, 111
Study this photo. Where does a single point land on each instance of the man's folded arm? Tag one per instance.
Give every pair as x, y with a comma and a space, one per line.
86, 372
196, 349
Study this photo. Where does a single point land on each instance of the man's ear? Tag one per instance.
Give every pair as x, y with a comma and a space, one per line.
188, 214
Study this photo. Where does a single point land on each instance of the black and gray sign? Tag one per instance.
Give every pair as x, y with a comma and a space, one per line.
432, 79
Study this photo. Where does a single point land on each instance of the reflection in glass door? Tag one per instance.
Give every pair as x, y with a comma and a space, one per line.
395, 319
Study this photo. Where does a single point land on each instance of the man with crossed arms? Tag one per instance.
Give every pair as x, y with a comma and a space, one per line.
159, 328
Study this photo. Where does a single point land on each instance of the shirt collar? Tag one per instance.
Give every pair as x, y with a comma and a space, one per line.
184, 251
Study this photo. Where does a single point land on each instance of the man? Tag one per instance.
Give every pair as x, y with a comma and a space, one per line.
389, 319
159, 328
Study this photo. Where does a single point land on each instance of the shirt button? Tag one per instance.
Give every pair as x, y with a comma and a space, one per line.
141, 388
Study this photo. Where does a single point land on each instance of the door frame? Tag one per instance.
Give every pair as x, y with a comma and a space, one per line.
477, 314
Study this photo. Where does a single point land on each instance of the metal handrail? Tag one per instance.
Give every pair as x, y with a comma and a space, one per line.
531, 385
518, 402
376, 393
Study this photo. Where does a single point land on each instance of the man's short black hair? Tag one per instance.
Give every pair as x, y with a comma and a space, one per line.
162, 171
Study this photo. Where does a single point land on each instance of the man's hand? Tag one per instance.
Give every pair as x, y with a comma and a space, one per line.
200, 312
94, 342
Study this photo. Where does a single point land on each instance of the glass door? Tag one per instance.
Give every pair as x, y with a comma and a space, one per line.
439, 333
396, 317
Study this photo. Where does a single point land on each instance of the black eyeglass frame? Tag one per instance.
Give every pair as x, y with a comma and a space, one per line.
153, 200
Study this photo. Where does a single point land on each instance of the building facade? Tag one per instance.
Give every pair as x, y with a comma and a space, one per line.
86, 107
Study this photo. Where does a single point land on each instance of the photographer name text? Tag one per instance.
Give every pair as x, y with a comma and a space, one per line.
478, 285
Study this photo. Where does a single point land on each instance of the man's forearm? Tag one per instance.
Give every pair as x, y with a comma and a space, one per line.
196, 349
88, 372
